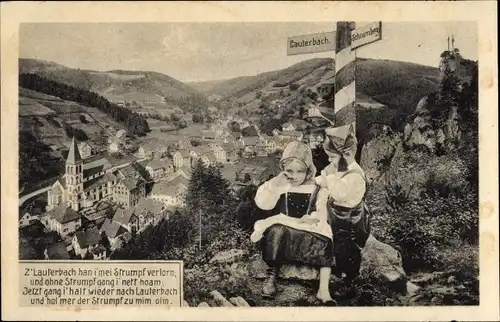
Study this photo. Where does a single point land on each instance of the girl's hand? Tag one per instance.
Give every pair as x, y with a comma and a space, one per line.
281, 181
330, 169
308, 219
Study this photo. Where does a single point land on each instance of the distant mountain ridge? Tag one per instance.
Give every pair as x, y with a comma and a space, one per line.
391, 83
154, 89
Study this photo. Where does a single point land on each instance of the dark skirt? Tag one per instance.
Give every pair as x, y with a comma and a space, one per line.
284, 245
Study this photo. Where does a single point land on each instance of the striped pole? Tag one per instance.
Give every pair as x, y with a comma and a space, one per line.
345, 85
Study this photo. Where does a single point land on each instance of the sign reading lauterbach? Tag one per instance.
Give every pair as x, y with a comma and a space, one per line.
366, 35
325, 41
313, 43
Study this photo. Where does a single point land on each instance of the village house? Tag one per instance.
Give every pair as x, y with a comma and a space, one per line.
261, 148
210, 135
152, 149
209, 159
113, 231
271, 143
128, 192
255, 174
157, 169
172, 195
127, 219
232, 149
149, 212
85, 148
313, 112
115, 146
88, 243
181, 158
293, 135
63, 220
314, 139
198, 152
135, 219
56, 251
288, 127
27, 219
220, 154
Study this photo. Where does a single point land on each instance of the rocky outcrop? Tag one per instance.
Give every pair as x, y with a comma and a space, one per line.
228, 257
376, 155
379, 260
421, 132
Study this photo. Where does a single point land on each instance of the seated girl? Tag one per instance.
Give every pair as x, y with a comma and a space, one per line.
297, 232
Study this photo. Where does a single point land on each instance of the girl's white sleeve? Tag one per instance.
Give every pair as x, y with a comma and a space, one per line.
347, 191
267, 196
321, 212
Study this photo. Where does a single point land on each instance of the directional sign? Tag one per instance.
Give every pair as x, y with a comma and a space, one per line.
366, 35
313, 43
316, 43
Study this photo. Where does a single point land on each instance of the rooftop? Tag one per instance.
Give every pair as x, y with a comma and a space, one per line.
167, 188
88, 237
64, 214
201, 150
112, 229
123, 216
158, 164
145, 205
57, 251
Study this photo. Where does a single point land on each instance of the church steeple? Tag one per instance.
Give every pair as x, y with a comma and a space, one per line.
74, 154
74, 175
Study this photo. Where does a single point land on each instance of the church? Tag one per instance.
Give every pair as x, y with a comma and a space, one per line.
87, 182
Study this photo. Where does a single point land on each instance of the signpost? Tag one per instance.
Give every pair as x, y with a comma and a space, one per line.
345, 40
313, 43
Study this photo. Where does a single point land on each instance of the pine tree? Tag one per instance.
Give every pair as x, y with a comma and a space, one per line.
196, 189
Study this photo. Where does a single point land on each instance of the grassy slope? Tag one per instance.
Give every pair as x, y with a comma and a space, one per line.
34, 117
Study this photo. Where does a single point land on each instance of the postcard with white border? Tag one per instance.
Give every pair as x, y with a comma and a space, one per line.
249, 161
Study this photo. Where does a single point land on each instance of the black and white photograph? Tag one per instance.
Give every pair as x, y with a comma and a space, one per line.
286, 164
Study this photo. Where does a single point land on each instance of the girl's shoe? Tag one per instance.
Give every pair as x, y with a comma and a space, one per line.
269, 287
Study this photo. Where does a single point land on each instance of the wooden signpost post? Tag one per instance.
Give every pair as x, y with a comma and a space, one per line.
344, 41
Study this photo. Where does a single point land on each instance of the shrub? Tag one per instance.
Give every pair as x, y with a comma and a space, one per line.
426, 227
396, 194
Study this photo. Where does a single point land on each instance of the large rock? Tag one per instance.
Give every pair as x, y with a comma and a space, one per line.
258, 267
228, 257
377, 153
220, 299
238, 301
382, 261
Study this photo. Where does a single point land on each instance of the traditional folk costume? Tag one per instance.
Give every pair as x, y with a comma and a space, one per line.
283, 237
348, 213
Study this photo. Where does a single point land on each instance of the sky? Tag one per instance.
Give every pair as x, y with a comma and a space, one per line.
215, 51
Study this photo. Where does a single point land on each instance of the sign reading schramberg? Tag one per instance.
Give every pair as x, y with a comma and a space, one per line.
366, 34
313, 43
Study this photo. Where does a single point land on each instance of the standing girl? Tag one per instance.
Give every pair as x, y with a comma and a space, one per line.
297, 232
